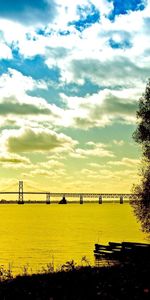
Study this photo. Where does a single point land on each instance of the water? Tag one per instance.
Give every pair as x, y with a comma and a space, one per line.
37, 234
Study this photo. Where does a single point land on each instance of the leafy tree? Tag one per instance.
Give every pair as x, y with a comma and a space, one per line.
142, 136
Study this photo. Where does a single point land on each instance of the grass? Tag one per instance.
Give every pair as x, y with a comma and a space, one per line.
127, 280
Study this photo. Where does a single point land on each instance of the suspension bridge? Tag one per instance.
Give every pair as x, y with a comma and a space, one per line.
21, 194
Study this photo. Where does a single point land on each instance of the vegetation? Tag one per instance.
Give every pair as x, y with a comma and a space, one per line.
128, 280
142, 136
5, 274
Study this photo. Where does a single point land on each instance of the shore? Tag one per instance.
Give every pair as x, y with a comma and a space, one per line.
123, 281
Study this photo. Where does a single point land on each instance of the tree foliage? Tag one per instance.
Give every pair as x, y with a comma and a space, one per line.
142, 133
142, 136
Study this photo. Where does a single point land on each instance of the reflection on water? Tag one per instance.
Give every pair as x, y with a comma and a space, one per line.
39, 234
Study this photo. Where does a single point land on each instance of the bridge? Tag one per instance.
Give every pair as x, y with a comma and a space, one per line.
48, 195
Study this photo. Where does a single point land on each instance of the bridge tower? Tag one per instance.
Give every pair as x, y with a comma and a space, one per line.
81, 199
20, 194
48, 198
100, 200
121, 199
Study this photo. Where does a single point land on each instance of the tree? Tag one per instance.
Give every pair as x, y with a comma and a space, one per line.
142, 136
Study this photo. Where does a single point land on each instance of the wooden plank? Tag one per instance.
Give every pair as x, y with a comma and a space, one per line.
135, 244
115, 245
98, 246
122, 250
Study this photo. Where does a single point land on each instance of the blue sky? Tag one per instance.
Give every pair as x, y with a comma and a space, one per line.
71, 75
28, 11
123, 7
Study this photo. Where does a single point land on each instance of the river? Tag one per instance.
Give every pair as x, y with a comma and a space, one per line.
34, 235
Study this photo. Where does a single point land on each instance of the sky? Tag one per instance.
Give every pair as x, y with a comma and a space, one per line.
71, 75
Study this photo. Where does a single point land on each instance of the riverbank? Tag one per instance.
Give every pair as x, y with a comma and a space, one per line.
122, 281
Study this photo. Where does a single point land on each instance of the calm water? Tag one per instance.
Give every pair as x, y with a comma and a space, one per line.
35, 235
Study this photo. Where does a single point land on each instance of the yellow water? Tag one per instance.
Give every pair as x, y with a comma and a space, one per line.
36, 234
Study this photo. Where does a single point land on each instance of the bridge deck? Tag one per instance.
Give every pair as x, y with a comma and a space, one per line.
86, 195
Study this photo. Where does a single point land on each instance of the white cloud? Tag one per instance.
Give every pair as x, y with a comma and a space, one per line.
103, 64
5, 51
99, 174
100, 109
13, 158
40, 172
104, 6
14, 161
118, 142
22, 109
15, 83
35, 140
96, 110
96, 165
75, 54
129, 162
51, 164
92, 149
53, 174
